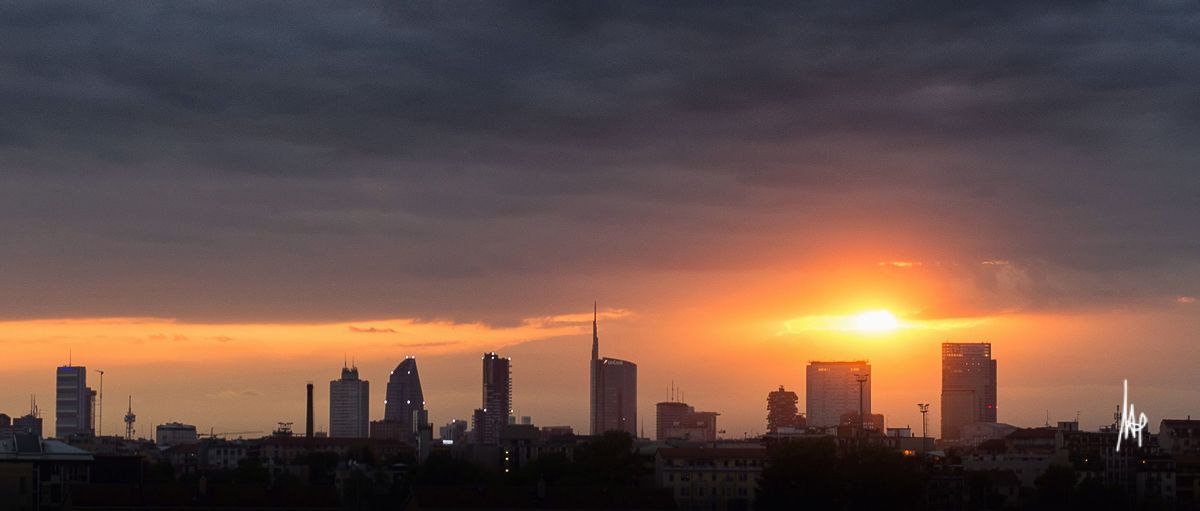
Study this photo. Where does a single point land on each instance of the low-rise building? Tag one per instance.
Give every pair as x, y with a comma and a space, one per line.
222, 454
175, 433
716, 479
39, 474
1176, 437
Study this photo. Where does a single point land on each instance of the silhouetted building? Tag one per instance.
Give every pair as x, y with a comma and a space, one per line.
678, 421
404, 397
37, 474
668, 413
30, 424
455, 431
613, 391
391, 430
349, 405
1180, 437
73, 403
782, 411
617, 382
549, 432
488, 421
722, 479
423, 433
174, 433
874, 421
968, 386
833, 390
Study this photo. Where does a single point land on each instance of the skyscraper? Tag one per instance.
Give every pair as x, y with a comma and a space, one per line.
73, 403
404, 397
497, 400
833, 390
349, 405
968, 386
781, 410
614, 390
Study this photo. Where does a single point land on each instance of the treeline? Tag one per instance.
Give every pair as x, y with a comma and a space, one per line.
609, 460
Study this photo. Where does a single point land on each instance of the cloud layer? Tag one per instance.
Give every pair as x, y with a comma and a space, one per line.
491, 162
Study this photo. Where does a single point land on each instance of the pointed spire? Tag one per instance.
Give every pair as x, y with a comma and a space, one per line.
595, 334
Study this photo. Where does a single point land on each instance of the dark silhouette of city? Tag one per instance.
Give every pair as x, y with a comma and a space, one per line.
842, 255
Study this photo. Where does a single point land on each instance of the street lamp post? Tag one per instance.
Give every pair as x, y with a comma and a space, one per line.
924, 422
862, 380
100, 407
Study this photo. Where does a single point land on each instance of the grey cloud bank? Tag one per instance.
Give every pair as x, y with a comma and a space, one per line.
490, 160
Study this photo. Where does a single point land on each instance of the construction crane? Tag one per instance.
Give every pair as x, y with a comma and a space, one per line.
224, 434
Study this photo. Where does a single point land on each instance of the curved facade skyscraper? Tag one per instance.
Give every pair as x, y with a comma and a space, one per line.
404, 396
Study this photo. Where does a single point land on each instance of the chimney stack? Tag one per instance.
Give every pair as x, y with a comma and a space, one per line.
308, 420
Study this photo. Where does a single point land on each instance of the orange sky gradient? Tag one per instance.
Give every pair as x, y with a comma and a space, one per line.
725, 339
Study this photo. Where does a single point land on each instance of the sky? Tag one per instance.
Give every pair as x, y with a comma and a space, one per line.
216, 203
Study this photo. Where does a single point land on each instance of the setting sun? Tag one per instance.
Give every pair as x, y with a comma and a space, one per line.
876, 321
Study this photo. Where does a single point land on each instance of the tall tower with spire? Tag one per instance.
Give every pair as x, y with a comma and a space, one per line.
594, 401
613, 389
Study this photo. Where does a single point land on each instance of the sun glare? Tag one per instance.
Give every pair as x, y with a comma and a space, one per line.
876, 321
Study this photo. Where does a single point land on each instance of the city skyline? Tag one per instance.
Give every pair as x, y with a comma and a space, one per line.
967, 369
215, 203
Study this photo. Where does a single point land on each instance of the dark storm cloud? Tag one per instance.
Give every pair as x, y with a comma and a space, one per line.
308, 160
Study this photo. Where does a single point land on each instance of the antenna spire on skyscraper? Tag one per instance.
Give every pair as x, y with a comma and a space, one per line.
595, 333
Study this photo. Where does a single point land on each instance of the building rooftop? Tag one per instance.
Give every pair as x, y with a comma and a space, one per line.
23, 447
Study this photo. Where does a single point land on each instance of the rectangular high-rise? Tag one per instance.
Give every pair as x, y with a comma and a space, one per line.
497, 400
968, 386
832, 390
616, 387
73, 402
349, 406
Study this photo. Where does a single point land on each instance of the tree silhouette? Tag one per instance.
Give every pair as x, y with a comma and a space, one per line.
810, 471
